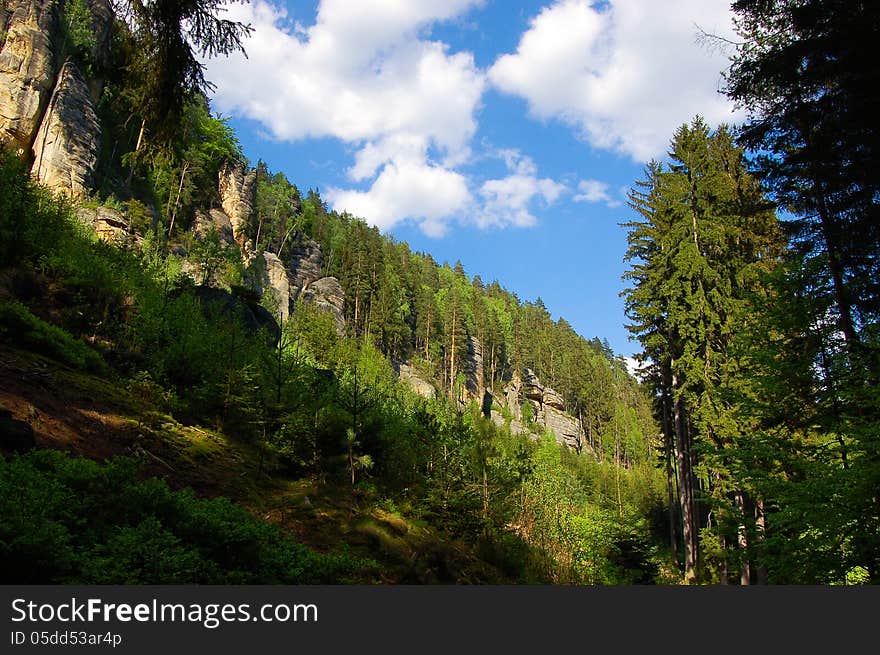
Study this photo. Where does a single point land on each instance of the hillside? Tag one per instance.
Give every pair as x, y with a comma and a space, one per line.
164, 302
210, 376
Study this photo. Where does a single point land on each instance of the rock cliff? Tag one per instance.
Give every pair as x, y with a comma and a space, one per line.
419, 383
65, 151
47, 113
326, 293
548, 409
306, 263
27, 72
237, 187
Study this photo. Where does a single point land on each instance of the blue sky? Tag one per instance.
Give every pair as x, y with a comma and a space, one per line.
504, 134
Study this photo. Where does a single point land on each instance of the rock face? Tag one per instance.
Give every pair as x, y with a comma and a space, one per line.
547, 406
306, 264
326, 293
110, 225
102, 27
512, 395
411, 376
216, 220
278, 284
237, 189
65, 151
27, 73
473, 368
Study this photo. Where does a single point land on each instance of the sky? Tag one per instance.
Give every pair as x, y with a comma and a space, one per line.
504, 134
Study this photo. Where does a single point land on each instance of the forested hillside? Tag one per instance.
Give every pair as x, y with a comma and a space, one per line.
249, 387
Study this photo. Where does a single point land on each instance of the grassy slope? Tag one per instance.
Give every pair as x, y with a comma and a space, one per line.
97, 417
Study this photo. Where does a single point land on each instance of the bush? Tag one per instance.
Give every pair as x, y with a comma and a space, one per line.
20, 327
71, 520
32, 222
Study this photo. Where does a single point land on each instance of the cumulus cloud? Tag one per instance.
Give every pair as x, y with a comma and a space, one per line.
429, 193
363, 74
595, 191
624, 73
509, 200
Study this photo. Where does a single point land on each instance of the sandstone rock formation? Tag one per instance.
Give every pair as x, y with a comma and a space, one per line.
512, 395
65, 152
237, 189
548, 408
277, 283
110, 225
326, 293
206, 221
27, 72
306, 264
473, 368
409, 374
102, 28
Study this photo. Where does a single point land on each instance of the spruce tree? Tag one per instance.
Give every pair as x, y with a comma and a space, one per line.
705, 230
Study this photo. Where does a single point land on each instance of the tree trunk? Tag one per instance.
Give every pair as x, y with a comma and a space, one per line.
685, 489
670, 477
742, 539
452, 357
760, 525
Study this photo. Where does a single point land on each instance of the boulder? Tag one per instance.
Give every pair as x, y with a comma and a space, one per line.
65, 151
27, 71
326, 293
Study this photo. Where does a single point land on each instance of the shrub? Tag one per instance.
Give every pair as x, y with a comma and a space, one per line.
71, 520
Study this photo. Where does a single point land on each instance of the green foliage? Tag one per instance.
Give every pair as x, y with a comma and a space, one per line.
21, 328
66, 520
32, 223
78, 33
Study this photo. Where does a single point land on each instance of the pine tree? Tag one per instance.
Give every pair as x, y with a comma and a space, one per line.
705, 231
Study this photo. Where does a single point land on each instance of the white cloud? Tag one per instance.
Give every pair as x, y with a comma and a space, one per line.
508, 200
625, 73
363, 75
432, 194
595, 191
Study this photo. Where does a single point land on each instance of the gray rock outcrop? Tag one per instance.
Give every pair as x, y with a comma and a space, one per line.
548, 408
213, 220
65, 152
409, 374
306, 264
473, 368
512, 395
326, 293
27, 71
